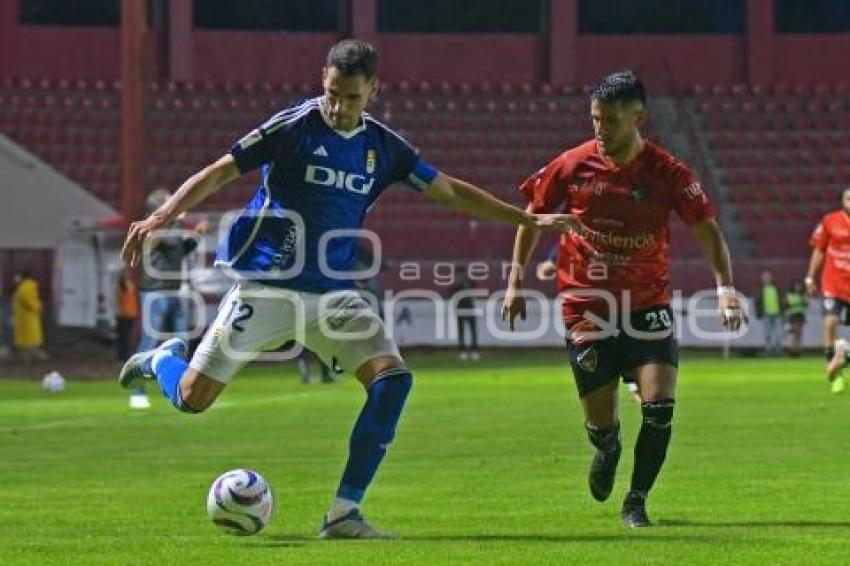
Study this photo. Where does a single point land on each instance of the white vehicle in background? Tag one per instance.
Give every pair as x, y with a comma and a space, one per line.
87, 264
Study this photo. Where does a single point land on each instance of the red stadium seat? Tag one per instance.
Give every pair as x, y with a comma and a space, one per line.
781, 89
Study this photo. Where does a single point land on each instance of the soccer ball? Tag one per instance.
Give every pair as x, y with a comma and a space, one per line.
53, 382
240, 502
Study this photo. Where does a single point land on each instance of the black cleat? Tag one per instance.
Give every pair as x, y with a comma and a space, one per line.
634, 511
603, 469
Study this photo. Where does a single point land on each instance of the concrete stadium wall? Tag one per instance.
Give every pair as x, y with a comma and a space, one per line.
803, 58
665, 61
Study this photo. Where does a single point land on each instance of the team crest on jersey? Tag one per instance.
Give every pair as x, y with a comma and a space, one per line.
598, 189
694, 191
588, 359
371, 159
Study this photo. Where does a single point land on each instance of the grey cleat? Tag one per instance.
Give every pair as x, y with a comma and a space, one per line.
352, 525
137, 370
634, 511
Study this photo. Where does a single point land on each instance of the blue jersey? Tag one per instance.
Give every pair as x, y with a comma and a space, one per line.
315, 180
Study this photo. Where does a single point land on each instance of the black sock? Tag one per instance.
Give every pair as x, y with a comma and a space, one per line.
828, 353
604, 439
652, 442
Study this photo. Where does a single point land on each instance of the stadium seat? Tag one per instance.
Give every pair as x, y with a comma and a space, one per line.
777, 149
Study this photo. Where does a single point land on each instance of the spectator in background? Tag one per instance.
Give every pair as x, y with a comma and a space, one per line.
769, 311
328, 374
163, 309
796, 305
26, 311
402, 319
5, 325
466, 315
127, 294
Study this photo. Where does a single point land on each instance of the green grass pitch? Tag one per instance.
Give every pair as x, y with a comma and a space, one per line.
488, 467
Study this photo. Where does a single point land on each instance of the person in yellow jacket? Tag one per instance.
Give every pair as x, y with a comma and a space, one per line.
26, 311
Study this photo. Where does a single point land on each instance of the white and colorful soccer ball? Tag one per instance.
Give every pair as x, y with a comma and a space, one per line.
240, 502
53, 382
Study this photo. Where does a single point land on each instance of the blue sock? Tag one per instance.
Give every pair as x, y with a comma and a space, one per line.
169, 368
373, 431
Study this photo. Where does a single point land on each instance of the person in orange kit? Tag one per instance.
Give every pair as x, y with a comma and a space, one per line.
830, 244
127, 313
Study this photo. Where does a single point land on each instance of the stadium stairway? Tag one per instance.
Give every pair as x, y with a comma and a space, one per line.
781, 152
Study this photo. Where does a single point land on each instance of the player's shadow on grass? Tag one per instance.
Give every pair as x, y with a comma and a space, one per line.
514, 537
300, 540
755, 523
282, 540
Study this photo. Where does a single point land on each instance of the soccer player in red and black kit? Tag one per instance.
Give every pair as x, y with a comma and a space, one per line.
613, 280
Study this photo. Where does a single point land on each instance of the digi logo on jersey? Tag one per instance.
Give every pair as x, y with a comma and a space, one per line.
327, 177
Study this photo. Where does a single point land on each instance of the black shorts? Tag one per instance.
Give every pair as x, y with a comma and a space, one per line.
604, 361
836, 307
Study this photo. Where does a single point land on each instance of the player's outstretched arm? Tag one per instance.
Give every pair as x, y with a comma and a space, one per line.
194, 190
462, 196
815, 263
714, 248
524, 244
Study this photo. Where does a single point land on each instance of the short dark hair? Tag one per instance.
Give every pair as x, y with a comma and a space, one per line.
354, 57
622, 86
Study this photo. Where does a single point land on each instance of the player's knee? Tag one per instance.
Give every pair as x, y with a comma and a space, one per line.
658, 414
605, 439
197, 393
398, 381
192, 406
372, 370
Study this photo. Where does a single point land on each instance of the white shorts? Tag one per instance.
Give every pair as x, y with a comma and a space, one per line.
253, 318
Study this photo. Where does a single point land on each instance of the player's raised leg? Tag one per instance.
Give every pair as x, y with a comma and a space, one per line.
603, 431
248, 317
836, 363
657, 388
188, 389
835, 350
595, 367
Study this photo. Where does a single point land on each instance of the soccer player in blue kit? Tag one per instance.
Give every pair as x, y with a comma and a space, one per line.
324, 163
